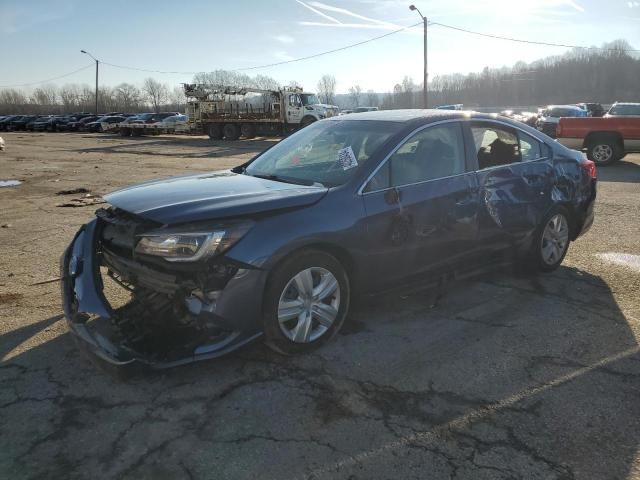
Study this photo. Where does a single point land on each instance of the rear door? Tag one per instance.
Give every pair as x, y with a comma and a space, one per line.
421, 206
515, 178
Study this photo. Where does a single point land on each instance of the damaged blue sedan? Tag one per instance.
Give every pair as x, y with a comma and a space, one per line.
189, 268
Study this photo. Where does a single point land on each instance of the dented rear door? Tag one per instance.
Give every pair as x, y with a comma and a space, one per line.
514, 196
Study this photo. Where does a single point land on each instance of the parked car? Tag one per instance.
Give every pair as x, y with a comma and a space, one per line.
456, 106
548, 120
29, 126
606, 139
345, 112
6, 121
103, 124
279, 246
624, 109
592, 109
20, 123
41, 124
365, 109
80, 125
152, 117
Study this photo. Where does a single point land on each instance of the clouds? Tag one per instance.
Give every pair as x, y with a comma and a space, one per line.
332, 18
285, 39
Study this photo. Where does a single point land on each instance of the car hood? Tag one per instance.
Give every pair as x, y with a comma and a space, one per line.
211, 196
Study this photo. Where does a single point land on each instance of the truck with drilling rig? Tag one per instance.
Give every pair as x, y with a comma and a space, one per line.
226, 112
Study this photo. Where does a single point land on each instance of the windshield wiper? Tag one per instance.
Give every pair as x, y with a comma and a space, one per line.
284, 179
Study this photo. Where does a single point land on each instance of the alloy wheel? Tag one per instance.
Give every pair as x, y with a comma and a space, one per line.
309, 305
602, 153
555, 239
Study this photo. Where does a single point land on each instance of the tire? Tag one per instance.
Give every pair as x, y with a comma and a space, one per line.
307, 325
306, 121
215, 132
125, 132
551, 242
136, 132
604, 151
231, 131
248, 130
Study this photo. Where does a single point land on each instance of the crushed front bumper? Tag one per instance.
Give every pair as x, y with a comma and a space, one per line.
88, 313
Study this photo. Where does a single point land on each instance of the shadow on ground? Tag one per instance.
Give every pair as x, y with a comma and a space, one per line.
153, 146
504, 377
622, 171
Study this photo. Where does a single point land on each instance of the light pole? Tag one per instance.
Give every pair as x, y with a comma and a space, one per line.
426, 75
97, 62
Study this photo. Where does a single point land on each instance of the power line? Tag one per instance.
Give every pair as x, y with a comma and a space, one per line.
284, 62
48, 80
331, 51
519, 40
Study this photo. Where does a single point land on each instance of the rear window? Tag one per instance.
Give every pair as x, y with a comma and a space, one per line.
625, 110
566, 112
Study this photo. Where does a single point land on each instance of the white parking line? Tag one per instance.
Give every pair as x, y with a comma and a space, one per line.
472, 416
625, 259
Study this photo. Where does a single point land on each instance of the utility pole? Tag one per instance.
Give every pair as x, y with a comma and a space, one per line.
97, 62
425, 80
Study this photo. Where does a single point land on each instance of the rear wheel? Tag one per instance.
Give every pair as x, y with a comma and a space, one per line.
214, 131
125, 132
306, 302
231, 131
604, 151
247, 130
551, 242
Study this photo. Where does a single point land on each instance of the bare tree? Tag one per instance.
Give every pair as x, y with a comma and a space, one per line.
355, 93
372, 98
327, 89
177, 99
157, 93
128, 97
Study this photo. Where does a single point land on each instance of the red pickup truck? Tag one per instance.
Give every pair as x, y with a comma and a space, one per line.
606, 139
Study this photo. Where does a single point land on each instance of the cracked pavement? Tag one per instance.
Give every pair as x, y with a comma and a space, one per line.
502, 377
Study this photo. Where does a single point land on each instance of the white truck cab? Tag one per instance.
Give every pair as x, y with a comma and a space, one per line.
305, 108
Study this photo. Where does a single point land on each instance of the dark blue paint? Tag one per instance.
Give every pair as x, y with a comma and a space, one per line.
380, 237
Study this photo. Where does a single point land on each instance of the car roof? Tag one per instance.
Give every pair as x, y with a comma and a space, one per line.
574, 107
627, 103
413, 115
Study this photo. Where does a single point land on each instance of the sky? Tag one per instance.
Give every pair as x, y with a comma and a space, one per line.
42, 39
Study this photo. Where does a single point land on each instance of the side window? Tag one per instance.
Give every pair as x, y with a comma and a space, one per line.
531, 149
432, 153
380, 180
294, 101
495, 145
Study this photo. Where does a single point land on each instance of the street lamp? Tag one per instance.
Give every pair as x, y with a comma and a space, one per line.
426, 75
97, 62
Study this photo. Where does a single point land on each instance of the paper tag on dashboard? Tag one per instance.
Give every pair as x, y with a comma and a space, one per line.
346, 158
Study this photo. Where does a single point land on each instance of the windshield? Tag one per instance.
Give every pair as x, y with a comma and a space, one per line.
625, 110
309, 99
329, 153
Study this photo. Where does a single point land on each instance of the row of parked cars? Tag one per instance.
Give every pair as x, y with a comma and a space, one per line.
85, 122
546, 119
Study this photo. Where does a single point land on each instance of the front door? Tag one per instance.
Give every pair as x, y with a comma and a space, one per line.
294, 108
421, 207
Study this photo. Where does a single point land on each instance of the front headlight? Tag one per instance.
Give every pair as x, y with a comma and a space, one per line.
185, 246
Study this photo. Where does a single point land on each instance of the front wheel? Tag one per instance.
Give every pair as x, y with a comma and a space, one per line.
551, 242
306, 302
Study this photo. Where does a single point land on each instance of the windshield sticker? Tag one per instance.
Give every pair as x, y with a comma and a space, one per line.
346, 158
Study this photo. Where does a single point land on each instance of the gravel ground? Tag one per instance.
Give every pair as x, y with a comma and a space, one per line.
503, 377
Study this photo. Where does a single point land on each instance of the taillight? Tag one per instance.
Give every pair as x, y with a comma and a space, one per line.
589, 167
